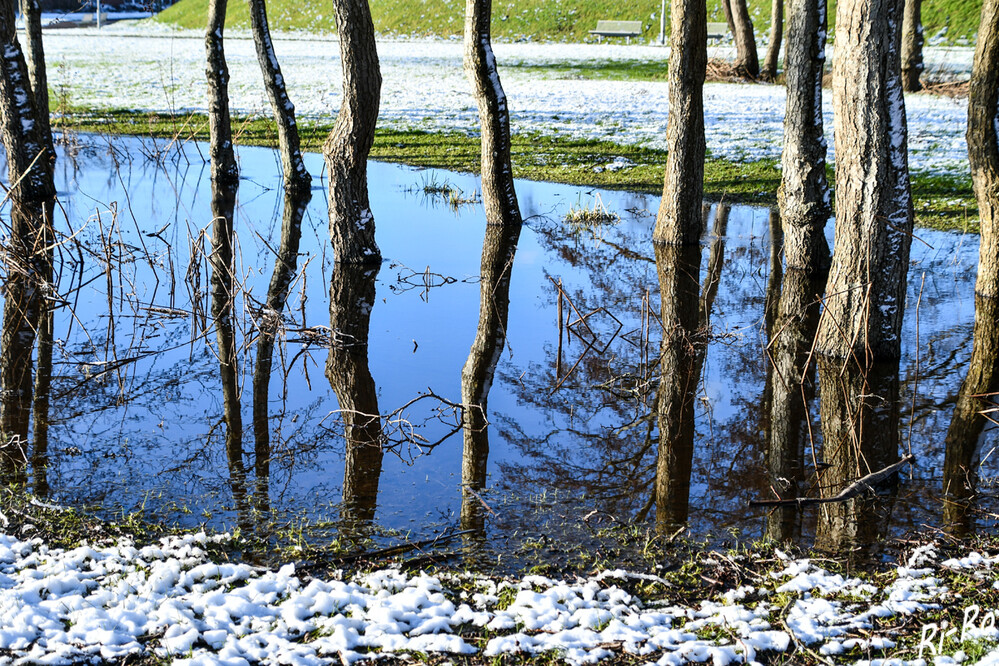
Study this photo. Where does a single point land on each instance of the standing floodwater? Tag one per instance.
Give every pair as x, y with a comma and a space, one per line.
347, 385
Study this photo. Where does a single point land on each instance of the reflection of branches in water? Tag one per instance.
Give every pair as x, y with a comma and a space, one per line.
400, 432
424, 280
597, 437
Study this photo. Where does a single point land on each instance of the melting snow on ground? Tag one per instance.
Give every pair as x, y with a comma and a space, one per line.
146, 67
172, 601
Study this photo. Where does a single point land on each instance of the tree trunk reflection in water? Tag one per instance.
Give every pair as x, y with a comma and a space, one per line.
770, 308
29, 272
792, 383
965, 432
40, 406
296, 202
498, 251
859, 408
223, 285
679, 287
352, 296
686, 312
19, 312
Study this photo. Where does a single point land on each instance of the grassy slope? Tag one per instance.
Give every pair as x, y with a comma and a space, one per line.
554, 20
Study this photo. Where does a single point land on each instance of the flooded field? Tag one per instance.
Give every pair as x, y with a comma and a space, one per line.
290, 389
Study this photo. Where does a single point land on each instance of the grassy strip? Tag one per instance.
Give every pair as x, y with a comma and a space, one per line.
537, 20
600, 70
942, 202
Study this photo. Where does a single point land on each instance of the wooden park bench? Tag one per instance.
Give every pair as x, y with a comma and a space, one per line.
717, 30
626, 29
91, 18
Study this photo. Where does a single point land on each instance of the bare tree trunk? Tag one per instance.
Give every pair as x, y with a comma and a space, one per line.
804, 191
28, 265
296, 176
498, 251
223, 156
769, 71
35, 56
679, 219
866, 292
912, 46
352, 226
498, 192
983, 146
27, 164
295, 204
726, 6
352, 296
747, 62
503, 225
964, 436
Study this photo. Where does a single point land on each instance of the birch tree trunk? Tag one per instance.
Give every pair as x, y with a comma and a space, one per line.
912, 46
866, 292
296, 176
804, 192
983, 146
352, 226
498, 193
769, 70
223, 156
679, 219
747, 62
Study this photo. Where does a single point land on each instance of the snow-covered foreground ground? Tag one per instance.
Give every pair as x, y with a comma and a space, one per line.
144, 66
171, 600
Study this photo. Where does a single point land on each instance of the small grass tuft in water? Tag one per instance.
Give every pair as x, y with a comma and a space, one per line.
581, 218
450, 194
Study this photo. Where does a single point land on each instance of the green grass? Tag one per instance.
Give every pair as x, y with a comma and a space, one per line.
539, 20
942, 202
613, 70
